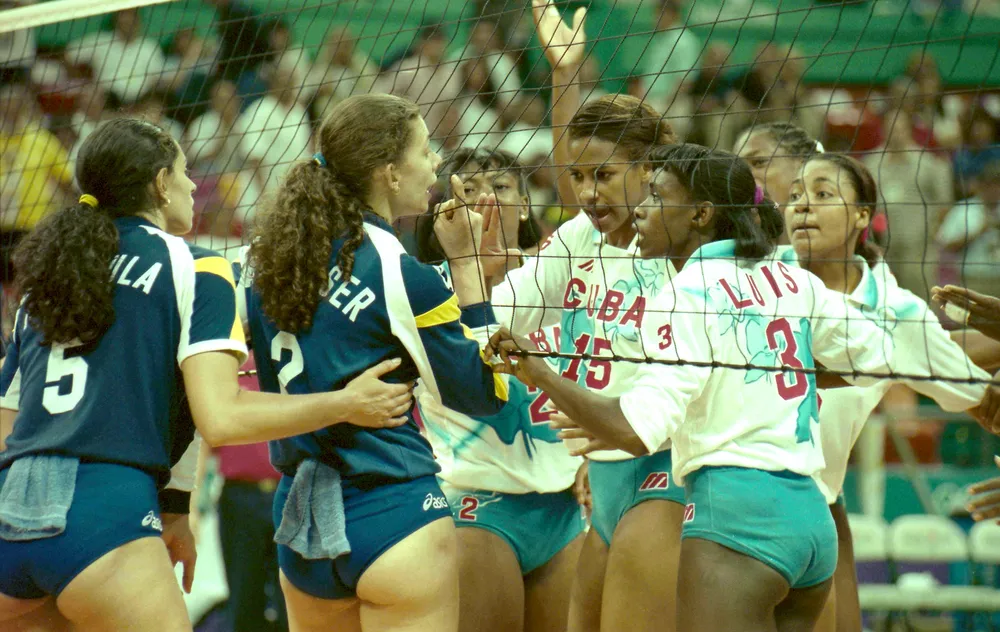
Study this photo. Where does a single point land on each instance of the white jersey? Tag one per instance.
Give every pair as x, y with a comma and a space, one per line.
922, 347
764, 314
515, 451
596, 293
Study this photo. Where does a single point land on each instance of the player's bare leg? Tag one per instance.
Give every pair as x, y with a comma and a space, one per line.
547, 590
44, 618
491, 589
800, 610
751, 590
413, 587
588, 585
845, 577
130, 588
640, 586
828, 617
313, 614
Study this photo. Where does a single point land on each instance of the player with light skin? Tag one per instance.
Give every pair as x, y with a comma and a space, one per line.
775, 153
161, 328
330, 290
508, 477
830, 203
589, 271
748, 476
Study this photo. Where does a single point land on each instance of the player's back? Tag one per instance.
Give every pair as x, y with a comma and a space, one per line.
112, 399
377, 314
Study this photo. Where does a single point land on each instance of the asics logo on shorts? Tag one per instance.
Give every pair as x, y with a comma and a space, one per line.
435, 502
152, 521
656, 480
688, 513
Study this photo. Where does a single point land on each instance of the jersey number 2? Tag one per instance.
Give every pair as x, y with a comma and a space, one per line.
799, 385
285, 341
57, 369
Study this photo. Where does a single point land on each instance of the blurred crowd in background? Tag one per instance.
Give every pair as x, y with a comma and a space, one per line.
244, 102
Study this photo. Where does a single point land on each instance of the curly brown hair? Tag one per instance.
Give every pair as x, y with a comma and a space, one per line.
624, 120
62, 265
315, 205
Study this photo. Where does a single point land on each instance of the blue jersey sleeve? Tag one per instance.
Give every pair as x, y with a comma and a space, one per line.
465, 380
10, 374
210, 319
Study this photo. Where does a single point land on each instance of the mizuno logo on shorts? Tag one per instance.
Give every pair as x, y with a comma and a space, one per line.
656, 480
688, 513
435, 502
152, 521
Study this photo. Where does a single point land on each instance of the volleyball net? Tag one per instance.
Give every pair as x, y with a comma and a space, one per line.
910, 87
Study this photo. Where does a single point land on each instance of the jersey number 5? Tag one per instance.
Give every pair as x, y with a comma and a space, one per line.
799, 385
57, 369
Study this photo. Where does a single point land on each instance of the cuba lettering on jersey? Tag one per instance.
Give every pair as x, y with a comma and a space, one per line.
920, 347
597, 294
392, 306
768, 314
515, 451
121, 399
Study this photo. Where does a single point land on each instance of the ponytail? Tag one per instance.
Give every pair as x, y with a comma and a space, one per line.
63, 276
293, 240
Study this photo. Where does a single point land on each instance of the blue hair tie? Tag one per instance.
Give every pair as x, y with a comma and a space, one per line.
319, 159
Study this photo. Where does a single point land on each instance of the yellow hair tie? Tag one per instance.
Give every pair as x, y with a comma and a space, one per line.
89, 200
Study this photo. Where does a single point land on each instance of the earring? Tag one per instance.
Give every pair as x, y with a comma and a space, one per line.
395, 187
524, 217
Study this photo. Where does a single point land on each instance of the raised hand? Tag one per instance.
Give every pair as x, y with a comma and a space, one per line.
564, 45
458, 227
979, 311
985, 504
497, 259
378, 404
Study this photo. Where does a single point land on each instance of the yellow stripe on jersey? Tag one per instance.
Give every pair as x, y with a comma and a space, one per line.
447, 312
217, 266
222, 268
499, 383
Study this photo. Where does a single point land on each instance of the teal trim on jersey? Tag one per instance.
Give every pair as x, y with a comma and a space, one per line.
779, 518
618, 486
535, 526
722, 249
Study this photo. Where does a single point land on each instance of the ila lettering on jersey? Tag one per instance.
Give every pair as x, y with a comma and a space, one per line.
125, 271
349, 296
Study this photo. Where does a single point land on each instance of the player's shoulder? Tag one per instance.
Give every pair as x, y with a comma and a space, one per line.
573, 235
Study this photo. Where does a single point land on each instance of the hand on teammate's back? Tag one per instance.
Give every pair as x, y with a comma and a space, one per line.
979, 311
377, 404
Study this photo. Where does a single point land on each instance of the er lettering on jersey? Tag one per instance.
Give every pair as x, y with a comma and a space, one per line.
346, 296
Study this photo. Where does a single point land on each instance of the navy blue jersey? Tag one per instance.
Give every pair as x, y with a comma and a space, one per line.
392, 307
121, 399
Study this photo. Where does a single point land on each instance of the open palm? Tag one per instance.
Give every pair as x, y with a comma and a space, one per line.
564, 46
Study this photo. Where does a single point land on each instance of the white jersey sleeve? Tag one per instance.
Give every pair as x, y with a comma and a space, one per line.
684, 338
531, 297
924, 349
184, 472
845, 340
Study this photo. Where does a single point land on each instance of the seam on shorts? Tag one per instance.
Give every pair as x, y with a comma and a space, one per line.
739, 547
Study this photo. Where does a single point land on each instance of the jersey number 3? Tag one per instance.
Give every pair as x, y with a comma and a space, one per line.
799, 384
58, 369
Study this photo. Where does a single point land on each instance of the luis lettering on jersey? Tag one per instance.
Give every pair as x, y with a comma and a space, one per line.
348, 296
768, 275
125, 271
